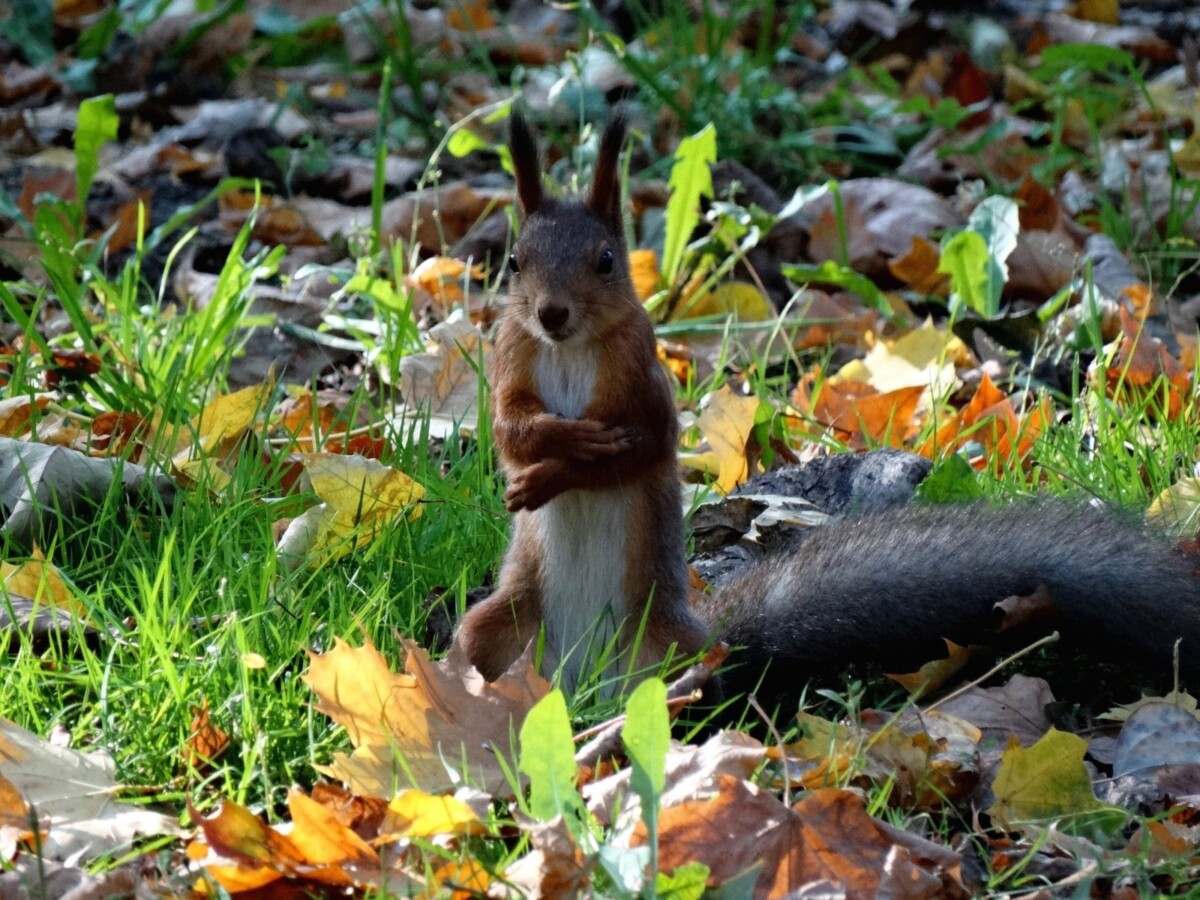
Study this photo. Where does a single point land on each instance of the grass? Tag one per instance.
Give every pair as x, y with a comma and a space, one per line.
195, 609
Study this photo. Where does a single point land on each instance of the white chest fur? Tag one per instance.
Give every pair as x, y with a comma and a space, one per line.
565, 378
581, 534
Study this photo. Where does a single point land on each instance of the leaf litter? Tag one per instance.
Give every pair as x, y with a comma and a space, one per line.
433, 776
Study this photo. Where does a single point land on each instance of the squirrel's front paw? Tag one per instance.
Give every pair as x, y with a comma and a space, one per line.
533, 487
589, 440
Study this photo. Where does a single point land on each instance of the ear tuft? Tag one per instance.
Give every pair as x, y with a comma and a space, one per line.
523, 147
604, 199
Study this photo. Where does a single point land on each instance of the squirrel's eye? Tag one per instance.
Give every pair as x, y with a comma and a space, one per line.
605, 265
513, 266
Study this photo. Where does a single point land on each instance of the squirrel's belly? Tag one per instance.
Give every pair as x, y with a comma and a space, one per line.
582, 536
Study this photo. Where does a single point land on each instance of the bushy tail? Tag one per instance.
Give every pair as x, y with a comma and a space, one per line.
887, 588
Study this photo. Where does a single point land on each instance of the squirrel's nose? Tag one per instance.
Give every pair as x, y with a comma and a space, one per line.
553, 317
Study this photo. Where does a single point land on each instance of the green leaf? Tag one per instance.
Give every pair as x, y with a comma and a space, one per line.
647, 737
464, 141
952, 480
690, 180
1048, 782
30, 27
965, 259
548, 758
1096, 57
997, 221
97, 125
687, 882
831, 272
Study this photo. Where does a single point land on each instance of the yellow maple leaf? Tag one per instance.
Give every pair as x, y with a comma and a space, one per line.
434, 727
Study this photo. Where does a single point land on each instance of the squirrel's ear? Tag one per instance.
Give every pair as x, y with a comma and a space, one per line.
604, 199
523, 147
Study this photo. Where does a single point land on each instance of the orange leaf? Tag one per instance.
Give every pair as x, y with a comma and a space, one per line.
643, 268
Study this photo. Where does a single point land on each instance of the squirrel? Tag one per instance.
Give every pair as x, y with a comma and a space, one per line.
584, 419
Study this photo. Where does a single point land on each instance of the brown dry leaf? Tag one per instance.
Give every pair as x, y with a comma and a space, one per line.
360, 498
726, 422
111, 432
206, 740
823, 754
881, 216
1015, 709
440, 216
443, 383
363, 814
303, 414
1038, 208
930, 758
1025, 609
918, 268
132, 218
1143, 370
470, 15
936, 673
691, 773
16, 412
441, 278
1106, 12
1042, 264
435, 727
858, 413
825, 838
839, 318
276, 221
554, 867
71, 366
42, 582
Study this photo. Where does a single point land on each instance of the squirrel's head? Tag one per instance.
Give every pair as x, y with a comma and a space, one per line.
570, 267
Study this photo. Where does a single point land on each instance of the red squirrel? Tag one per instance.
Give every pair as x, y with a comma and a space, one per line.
585, 423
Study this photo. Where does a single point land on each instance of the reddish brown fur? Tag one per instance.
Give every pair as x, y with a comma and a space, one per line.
624, 441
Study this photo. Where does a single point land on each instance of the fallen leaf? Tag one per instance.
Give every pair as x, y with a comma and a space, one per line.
441, 279
73, 796
936, 673
206, 741
360, 498
242, 853
825, 838
41, 582
1036, 785
40, 486
435, 727
726, 422
414, 813
1143, 372
443, 383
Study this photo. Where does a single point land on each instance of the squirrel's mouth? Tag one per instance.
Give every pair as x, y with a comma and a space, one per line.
558, 335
